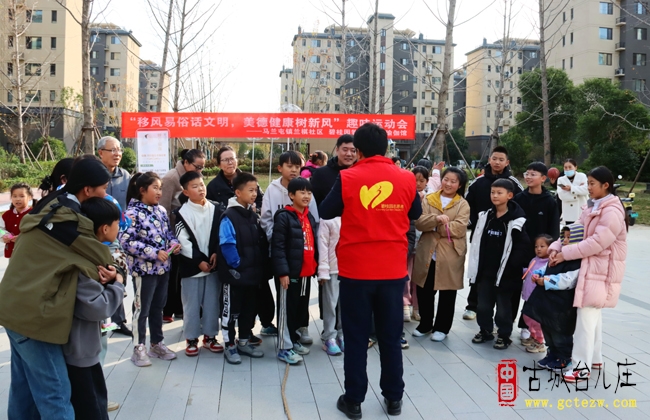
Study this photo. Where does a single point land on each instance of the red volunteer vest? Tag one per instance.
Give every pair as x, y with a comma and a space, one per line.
377, 196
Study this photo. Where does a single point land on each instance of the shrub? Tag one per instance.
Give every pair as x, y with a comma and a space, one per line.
128, 160
57, 146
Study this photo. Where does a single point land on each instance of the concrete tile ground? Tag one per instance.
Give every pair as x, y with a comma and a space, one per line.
454, 379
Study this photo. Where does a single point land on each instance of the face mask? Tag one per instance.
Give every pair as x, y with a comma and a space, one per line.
569, 173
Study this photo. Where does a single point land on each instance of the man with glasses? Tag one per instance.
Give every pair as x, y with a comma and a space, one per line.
110, 153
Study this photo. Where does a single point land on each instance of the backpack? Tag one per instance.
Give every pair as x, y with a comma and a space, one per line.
311, 170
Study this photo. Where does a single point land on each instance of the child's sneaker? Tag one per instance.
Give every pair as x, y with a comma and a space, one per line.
304, 336
289, 357
416, 315
331, 347
232, 355
168, 319
576, 375
559, 365
300, 349
502, 343
212, 344
254, 340
192, 347
270, 330
536, 347
139, 356
525, 333
341, 343
407, 313
482, 337
249, 350
544, 362
527, 341
404, 343
160, 351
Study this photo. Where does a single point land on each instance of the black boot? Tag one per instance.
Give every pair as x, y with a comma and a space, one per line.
394, 408
351, 410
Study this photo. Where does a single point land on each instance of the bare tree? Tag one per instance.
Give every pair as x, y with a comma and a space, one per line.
375, 57
167, 31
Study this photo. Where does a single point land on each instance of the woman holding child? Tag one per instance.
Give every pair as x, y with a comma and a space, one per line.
440, 253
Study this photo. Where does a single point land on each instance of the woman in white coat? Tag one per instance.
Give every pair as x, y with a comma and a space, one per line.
572, 190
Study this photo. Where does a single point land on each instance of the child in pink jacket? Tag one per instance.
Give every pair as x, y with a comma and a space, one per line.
603, 253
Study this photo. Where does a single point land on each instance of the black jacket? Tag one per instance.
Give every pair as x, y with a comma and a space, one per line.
478, 194
541, 215
287, 243
323, 178
252, 247
189, 267
221, 190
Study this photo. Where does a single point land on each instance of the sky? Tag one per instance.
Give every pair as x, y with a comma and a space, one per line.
253, 37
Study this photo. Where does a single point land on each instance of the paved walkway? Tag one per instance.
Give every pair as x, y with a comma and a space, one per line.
454, 379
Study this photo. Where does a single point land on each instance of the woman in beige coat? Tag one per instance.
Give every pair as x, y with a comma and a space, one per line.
440, 253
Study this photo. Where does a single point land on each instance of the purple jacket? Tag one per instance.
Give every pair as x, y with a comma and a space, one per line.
529, 284
148, 234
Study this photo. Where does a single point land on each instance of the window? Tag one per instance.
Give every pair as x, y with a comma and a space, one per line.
113, 104
519, 70
404, 61
52, 69
353, 91
563, 41
10, 69
35, 16
489, 68
518, 100
533, 54
93, 71
152, 108
415, 94
337, 107
606, 8
424, 48
571, 38
351, 43
383, 32
489, 83
329, 43
337, 91
436, 80
33, 96
338, 59
436, 50
93, 54
404, 77
352, 59
10, 96
304, 42
54, 16
422, 111
497, 84
639, 85
53, 43
328, 76
488, 113
571, 14
489, 98
571, 62
114, 88
10, 41
434, 111
115, 39
641, 34
337, 75
433, 96
404, 94
497, 69
382, 66
520, 55
563, 19
639, 9
382, 49
352, 75
94, 38
512, 84
605, 59
638, 59
489, 53
155, 86
488, 128
115, 72
497, 53
563, 66
605, 33
415, 63
404, 46
33, 42
314, 74
315, 43
52, 95
415, 110
32, 69
382, 82
115, 56
500, 129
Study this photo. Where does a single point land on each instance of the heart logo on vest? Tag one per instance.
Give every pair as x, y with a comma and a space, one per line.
376, 194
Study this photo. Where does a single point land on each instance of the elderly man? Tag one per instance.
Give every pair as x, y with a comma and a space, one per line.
110, 153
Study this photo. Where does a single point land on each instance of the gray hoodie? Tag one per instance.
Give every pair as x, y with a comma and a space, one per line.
275, 198
94, 303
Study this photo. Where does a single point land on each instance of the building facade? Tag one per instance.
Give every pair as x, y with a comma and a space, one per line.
43, 58
150, 80
606, 40
333, 72
493, 72
115, 68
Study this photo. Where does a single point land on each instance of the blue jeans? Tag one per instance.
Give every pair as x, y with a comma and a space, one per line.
40, 387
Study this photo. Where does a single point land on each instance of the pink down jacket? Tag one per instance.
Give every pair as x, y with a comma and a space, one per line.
603, 253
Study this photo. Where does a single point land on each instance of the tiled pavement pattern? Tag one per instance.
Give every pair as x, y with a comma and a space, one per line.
454, 379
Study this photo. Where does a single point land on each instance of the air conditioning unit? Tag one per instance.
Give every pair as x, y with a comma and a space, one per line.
506, 122
429, 70
322, 99
106, 64
428, 103
429, 56
427, 119
323, 51
506, 106
323, 81
323, 66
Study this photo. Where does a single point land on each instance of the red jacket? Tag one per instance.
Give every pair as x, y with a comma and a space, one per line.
12, 225
377, 196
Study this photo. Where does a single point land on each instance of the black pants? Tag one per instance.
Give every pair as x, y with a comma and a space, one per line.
119, 317
559, 345
174, 305
472, 298
488, 296
239, 306
89, 395
359, 299
265, 304
444, 316
293, 307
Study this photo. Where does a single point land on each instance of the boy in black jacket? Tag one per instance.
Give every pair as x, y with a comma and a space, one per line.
497, 255
197, 230
294, 256
242, 257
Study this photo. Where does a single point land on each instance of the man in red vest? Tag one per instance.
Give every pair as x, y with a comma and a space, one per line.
376, 201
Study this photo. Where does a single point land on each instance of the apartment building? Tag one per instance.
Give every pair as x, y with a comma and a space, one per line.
493, 72
333, 71
45, 54
150, 80
603, 39
115, 67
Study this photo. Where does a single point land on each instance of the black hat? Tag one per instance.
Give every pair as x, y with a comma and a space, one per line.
426, 163
87, 173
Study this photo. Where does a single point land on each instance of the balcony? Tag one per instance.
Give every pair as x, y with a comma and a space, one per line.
620, 21
428, 103
323, 66
19, 56
427, 119
506, 122
620, 72
105, 63
620, 46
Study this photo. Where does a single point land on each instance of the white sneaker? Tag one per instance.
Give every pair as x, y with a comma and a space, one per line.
304, 336
525, 333
438, 336
417, 333
469, 315
407, 313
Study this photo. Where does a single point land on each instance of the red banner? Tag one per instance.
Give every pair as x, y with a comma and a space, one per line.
285, 125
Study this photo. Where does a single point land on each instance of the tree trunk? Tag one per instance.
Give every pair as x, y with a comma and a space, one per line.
179, 59
19, 84
544, 76
373, 92
439, 145
88, 121
163, 67
344, 105
505, 48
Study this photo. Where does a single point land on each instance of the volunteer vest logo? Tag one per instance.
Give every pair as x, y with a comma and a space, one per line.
376, 194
